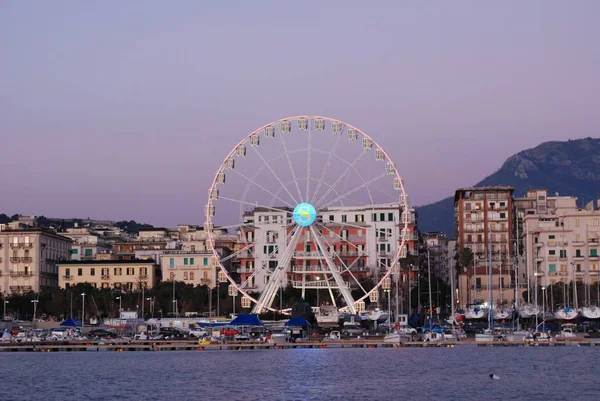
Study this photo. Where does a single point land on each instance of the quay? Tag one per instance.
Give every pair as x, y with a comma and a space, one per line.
185, 345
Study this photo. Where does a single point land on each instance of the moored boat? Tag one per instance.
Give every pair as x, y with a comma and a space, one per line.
590, 312
566, 313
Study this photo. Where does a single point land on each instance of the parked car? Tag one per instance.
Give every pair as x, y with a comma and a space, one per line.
355, 331
101, 333
168, 333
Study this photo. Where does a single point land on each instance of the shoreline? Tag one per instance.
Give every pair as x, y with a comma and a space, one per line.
166, 345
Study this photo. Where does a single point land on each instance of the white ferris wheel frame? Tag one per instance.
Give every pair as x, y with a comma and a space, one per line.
403, 202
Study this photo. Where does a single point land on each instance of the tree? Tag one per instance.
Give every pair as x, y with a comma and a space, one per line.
4, 219
465, 258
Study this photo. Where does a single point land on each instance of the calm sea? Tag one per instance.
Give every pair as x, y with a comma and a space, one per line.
554, 373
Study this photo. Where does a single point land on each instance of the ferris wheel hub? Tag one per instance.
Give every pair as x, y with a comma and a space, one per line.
305, 214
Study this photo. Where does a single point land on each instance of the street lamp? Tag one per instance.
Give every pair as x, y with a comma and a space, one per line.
318, 283
151, 309
120, 309
34, 302
4, 314
82, 309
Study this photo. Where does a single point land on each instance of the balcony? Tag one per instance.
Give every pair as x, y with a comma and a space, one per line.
28, 273
313, 269
551, 242
563, 273
578, 258
382, 239
68, 277
554, 273
317, 284
552, 258
88, 257
578, 243
15, 260
15, 245
310, 255
245, 270
594, 258
27, 259
563, 259
539, 244
16, 274
539, 258
350, 253
106, 277
143, 277
205, 281
27, 245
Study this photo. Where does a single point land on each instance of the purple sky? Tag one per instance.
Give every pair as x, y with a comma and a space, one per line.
124, 110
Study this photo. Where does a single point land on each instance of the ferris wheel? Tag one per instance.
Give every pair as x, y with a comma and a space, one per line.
310, 202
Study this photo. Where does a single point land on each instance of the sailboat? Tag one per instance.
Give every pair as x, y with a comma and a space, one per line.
589, 311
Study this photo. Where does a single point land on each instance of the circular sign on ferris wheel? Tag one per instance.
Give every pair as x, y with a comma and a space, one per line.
304, 214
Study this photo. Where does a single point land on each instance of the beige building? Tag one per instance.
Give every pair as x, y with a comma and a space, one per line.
561, 242
29, 257
197, 268
484, 216
126, 275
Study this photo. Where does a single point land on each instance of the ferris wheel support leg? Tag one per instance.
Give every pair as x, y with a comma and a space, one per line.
268, 295
336, 275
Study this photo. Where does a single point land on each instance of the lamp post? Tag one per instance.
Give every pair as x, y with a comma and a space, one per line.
82, 309
120, 309
389, 292
318, 283
4, 314
151, 309
34, 302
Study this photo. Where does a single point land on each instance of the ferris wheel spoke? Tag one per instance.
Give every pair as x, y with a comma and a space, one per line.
255, 205
348, 268
252, 181
277, 277
287, 155
324, 172
341, 177
275, 174
338, 236
345, 291
308, 162
358, 188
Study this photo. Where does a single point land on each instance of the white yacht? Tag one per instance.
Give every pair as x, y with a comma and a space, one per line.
566, 313
590, 312
327, 316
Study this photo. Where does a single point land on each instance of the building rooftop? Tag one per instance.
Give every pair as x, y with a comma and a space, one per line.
108, 262
498, 188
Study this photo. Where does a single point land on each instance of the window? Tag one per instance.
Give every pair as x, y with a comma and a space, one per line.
390, 216
74, 251
185, 261
67, 272
578, 268
576, 222
374, 217
191, 275
80, 271
118, 271
205, 262
93, 271
105, 272
593, 252
502, 215
172, 276
172, 263
88, 252
477, 283
344, 219
381, 216
130, 271
578, 253
552, 252
596, 222
331, 218
143, 270
191, 261
552, 267
468, 206
185, 275
563, 253
105, 285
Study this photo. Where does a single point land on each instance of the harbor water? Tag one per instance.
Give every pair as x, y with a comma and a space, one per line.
526, 373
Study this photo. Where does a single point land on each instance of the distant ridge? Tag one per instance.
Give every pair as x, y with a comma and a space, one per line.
571, 168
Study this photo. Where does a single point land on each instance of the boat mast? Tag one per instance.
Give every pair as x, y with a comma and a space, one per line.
491, 287
452, 300
517, 292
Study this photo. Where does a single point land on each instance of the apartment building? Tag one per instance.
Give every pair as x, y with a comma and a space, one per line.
437, 245
484, 217
197, 268
87, 244
365, 240
124, 275
29, 257
561, 242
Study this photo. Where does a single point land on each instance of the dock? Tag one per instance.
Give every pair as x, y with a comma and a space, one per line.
187, 345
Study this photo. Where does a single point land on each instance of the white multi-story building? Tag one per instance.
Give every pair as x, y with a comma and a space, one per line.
86, 243
365, 237
437, 245
197, 268
29, 257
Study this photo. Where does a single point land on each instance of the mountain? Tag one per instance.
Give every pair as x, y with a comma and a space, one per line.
571, 168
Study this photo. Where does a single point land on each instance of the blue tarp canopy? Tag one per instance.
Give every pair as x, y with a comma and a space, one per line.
246, 320
297, 322
71, 323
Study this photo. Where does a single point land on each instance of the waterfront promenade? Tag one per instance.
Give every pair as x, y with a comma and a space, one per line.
186, 345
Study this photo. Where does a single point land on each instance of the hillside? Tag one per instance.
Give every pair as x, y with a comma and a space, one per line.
569, 168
